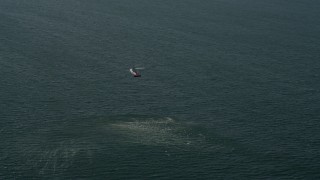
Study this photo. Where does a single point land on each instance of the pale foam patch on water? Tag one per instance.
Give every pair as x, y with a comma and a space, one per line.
166, 132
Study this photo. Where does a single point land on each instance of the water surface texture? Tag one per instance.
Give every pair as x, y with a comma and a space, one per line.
230, 90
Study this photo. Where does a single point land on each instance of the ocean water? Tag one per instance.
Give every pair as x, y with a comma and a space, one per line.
230, 90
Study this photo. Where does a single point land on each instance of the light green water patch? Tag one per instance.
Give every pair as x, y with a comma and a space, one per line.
163, 131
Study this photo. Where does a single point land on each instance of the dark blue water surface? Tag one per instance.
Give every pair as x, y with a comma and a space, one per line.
230, 90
